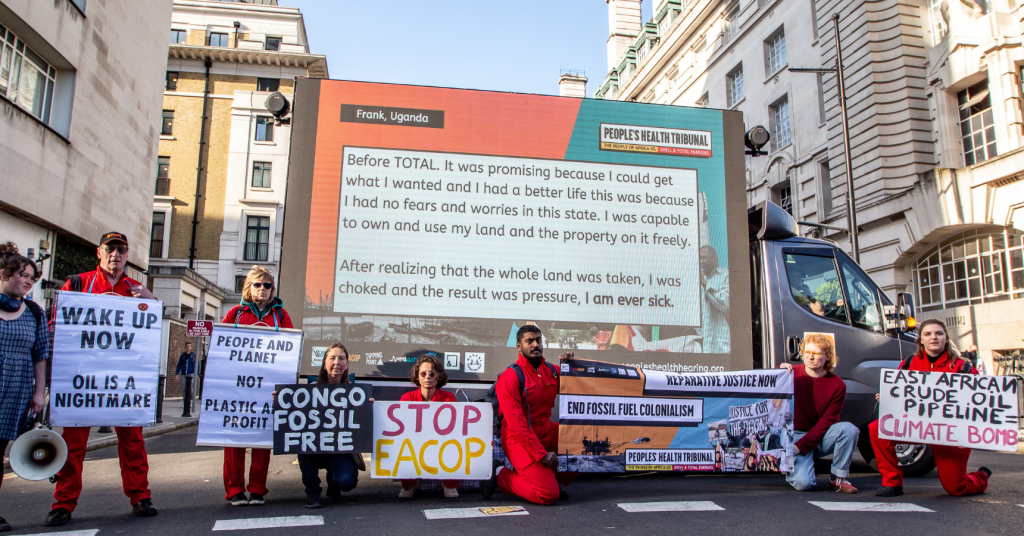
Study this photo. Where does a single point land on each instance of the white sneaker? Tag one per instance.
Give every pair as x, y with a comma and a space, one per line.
451, 493
406, 493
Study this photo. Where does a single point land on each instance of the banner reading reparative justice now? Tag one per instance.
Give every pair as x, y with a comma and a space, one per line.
614, 418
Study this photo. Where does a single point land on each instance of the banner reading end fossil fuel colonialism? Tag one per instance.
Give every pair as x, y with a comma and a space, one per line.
614, 418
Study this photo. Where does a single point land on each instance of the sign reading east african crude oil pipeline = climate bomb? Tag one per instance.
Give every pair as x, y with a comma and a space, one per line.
242, 367
615, 418
432, 440
106, 360
323, 418
941, 408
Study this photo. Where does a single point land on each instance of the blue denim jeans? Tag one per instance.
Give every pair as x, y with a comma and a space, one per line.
342, 472
839, 441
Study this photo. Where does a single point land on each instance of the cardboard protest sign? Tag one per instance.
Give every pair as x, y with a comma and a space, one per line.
941, 408
323, 418
243, 365
106, 360
432, 440
615, 418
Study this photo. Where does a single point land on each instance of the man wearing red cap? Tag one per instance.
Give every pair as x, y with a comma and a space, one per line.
108, 278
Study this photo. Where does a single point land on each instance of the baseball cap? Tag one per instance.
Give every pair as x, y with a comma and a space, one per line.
114, 237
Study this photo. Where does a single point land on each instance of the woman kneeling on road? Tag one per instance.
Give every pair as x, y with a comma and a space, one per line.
428, 374
934, 354
818, 397
342, 469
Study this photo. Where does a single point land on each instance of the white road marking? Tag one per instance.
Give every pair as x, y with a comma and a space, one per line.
869, 507
268, 522
86, 532
672, 506
463, 513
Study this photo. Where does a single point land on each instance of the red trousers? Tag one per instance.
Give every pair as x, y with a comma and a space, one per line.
234, 471
951, 463
536, 482
131, 452
409, 483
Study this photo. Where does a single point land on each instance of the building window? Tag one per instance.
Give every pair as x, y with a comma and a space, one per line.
163, 175
239, 284
171, 82
257, 238
261, 174
264, 128
734, 86
779, 115
731, 21
167, 125
702, 102
775, 53
268, 84
218, 39
824, 188
273, 43
80, 4
25, 78
969, 268
156, 236
814, 18
822, 117
784, 197
178, 36
977, 132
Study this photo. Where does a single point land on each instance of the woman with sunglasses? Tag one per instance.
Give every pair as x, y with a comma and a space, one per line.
24, 348
429, 375
342, 469
259, 307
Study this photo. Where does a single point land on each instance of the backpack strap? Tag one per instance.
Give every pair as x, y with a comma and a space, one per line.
36, 311
965, 366
76, 282
905, 364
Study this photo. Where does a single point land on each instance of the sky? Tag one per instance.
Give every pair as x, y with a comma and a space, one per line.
513, 45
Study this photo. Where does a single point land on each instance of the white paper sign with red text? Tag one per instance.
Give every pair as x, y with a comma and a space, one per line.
936, 408
432, 440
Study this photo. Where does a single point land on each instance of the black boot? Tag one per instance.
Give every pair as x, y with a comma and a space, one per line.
488, 487
57, 517
313, 499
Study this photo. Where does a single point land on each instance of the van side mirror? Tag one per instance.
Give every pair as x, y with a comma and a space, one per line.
905, 311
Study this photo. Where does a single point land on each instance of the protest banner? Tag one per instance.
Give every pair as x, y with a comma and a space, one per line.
106, 360
432, 440
615, 418
243, 365
323, 418
941, 408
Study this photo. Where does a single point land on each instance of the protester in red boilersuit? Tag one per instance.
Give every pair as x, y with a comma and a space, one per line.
528, 437
933, 354
430, 376
259, 307
108, 278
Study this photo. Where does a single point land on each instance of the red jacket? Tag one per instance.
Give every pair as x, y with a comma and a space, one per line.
95, 282
440, 395
520, 433
942, 364
248, 314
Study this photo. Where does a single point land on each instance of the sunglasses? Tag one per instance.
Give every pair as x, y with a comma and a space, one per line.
428, 374
123, 250
267, 286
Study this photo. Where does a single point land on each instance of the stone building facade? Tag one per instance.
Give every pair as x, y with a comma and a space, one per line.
934, 99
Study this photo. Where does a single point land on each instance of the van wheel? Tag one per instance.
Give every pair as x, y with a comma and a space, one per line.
916, 460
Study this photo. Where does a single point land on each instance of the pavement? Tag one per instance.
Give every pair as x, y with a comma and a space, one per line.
188, 490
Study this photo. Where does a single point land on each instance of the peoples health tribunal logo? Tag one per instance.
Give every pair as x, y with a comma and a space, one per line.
655, 140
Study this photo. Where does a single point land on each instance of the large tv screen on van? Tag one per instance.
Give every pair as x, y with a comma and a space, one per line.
436, 220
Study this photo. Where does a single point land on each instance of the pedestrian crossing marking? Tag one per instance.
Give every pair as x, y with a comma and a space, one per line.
464, 513
869, 507
268, 522
86, 532
671, 506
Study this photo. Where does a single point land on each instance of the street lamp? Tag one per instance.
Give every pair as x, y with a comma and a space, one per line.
851, 217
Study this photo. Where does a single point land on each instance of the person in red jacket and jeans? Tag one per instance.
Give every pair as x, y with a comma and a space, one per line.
818, 397
108, 278
528, 436
934, 353
259, 307
430, 376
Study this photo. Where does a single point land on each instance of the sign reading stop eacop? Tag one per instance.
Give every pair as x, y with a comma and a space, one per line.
432, 440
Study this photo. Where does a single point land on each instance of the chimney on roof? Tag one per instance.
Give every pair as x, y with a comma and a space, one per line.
572, 84
623, 28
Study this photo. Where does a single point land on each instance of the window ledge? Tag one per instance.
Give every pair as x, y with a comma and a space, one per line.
260, 189
250, 201
3, 98
258, 142
167, 137
737, 103
784, 67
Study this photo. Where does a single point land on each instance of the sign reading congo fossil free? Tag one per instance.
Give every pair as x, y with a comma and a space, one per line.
615, 418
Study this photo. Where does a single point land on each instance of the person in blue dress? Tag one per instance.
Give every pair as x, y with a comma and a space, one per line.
24, 348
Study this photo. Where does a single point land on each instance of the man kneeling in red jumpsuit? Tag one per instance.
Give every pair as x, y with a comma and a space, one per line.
933, 354
528, 436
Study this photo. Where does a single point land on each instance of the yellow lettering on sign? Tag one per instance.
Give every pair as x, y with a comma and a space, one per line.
411, 457
379, 455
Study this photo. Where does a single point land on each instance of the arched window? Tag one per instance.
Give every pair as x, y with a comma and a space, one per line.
973, 267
